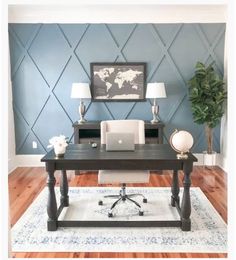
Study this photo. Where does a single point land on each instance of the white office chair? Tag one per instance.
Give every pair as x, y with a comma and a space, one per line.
123, 176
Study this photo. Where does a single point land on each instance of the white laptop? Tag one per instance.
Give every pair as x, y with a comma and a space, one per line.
119, 141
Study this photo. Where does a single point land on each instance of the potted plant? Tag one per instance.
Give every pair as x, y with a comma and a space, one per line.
207, 96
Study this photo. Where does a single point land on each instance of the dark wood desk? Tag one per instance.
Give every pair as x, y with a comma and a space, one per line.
145, 157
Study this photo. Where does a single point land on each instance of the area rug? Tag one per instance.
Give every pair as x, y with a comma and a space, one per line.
208, 234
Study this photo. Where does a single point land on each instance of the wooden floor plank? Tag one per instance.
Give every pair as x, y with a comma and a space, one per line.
25, 183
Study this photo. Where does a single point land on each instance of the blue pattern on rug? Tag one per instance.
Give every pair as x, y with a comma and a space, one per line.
208, 234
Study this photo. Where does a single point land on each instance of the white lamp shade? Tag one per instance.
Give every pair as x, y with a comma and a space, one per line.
80, 90
156, 90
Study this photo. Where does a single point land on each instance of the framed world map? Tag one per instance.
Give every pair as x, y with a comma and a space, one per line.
118, 81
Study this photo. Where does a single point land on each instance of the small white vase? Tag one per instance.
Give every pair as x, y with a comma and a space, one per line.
59, 150
209, 159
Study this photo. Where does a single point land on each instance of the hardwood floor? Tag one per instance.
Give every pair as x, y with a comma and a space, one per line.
26, 183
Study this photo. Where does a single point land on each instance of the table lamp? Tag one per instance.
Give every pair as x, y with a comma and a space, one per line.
155, 90
82, 91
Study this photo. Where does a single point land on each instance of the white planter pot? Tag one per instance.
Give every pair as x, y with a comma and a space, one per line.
209, 159
59, 150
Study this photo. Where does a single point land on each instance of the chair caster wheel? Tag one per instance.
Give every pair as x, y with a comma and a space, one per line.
110, 215
141, 213
145, 200
100, 202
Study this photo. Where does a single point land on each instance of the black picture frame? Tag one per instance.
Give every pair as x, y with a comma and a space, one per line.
108, 81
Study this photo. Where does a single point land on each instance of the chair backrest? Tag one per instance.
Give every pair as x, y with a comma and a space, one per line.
124, 126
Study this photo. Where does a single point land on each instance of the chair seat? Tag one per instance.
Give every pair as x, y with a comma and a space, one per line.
123, 176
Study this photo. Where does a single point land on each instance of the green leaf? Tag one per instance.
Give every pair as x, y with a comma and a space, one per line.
207, 95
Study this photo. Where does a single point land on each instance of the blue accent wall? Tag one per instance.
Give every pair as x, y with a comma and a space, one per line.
47, 58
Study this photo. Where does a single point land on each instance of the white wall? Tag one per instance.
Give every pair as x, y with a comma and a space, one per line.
11, 129
223, 159
113, 13
3, 131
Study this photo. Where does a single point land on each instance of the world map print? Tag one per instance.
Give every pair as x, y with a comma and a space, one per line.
118, 82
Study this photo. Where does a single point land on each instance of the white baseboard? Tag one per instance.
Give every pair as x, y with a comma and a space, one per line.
34, 161
12, 165
199, 157
222, 162
31, 160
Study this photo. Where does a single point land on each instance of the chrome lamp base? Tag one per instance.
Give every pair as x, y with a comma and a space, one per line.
154, 121
155, 110
82, 112
82, 120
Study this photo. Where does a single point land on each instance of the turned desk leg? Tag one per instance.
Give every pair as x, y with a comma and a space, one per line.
186, 202
175, 189
64, 189
51, 203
